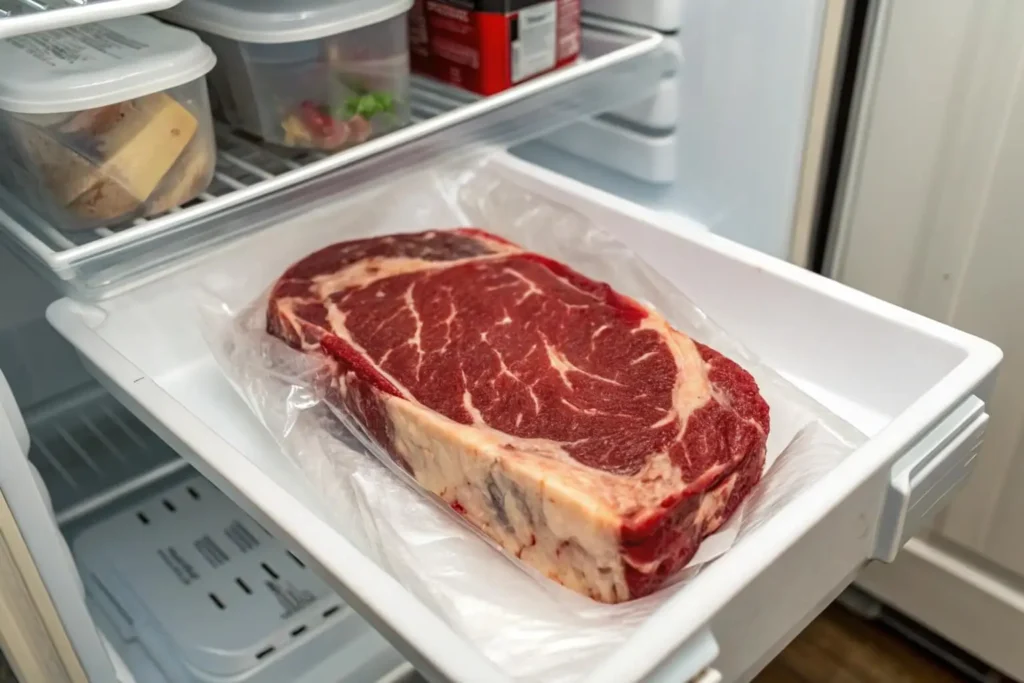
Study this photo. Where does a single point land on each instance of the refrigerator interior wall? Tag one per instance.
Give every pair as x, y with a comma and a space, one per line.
37, 362
748, 76
931, 220
746, 86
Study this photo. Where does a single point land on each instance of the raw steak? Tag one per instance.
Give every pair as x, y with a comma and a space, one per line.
569, 423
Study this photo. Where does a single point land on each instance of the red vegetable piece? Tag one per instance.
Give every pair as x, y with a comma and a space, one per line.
340, 134
360, 127
315, 120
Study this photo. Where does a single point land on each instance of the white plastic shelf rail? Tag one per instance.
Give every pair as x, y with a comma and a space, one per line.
256, 185
20, 17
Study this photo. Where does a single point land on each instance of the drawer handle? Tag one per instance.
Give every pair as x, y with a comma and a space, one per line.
927, 474
690, 662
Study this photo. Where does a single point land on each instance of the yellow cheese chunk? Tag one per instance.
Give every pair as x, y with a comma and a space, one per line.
105, 201
140, 150
188, 178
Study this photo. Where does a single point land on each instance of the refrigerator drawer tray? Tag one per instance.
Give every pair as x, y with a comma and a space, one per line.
895, 375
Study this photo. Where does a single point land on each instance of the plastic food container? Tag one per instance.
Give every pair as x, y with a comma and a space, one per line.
314, 74
105, 122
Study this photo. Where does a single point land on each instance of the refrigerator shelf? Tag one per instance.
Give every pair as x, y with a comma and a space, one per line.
21, 17
257, 185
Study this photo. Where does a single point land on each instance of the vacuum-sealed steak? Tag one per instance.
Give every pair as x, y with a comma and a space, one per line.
569, 423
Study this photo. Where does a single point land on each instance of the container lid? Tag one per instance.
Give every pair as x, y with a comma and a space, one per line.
94, 65
274, 21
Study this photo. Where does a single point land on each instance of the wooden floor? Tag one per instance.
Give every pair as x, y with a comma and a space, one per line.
839, 647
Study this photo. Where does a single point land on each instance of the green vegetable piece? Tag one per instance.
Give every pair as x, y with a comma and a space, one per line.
367, 106
385, 101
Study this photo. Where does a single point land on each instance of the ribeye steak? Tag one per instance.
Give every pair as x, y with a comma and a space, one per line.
571, 424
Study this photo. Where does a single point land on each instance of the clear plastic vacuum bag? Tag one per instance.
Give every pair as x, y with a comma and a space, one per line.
531, 627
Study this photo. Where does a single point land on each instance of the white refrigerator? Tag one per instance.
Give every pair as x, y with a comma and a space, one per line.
754, 153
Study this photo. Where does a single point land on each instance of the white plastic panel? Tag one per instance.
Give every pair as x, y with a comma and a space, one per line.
211, 595
9, 409
661, 198
647, 157
662, 15
146, 346
660, 111
747, 82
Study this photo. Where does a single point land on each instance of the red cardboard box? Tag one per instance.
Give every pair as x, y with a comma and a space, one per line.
490, 45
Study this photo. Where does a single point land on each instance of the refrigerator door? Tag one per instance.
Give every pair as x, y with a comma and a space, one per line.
930, 219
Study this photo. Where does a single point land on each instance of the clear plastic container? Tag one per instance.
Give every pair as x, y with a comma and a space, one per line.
312, 74
107, 122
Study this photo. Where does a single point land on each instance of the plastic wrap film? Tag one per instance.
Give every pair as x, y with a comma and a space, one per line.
530, 626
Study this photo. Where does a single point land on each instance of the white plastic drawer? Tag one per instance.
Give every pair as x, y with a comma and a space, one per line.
661, 15
645, 156
895, 375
